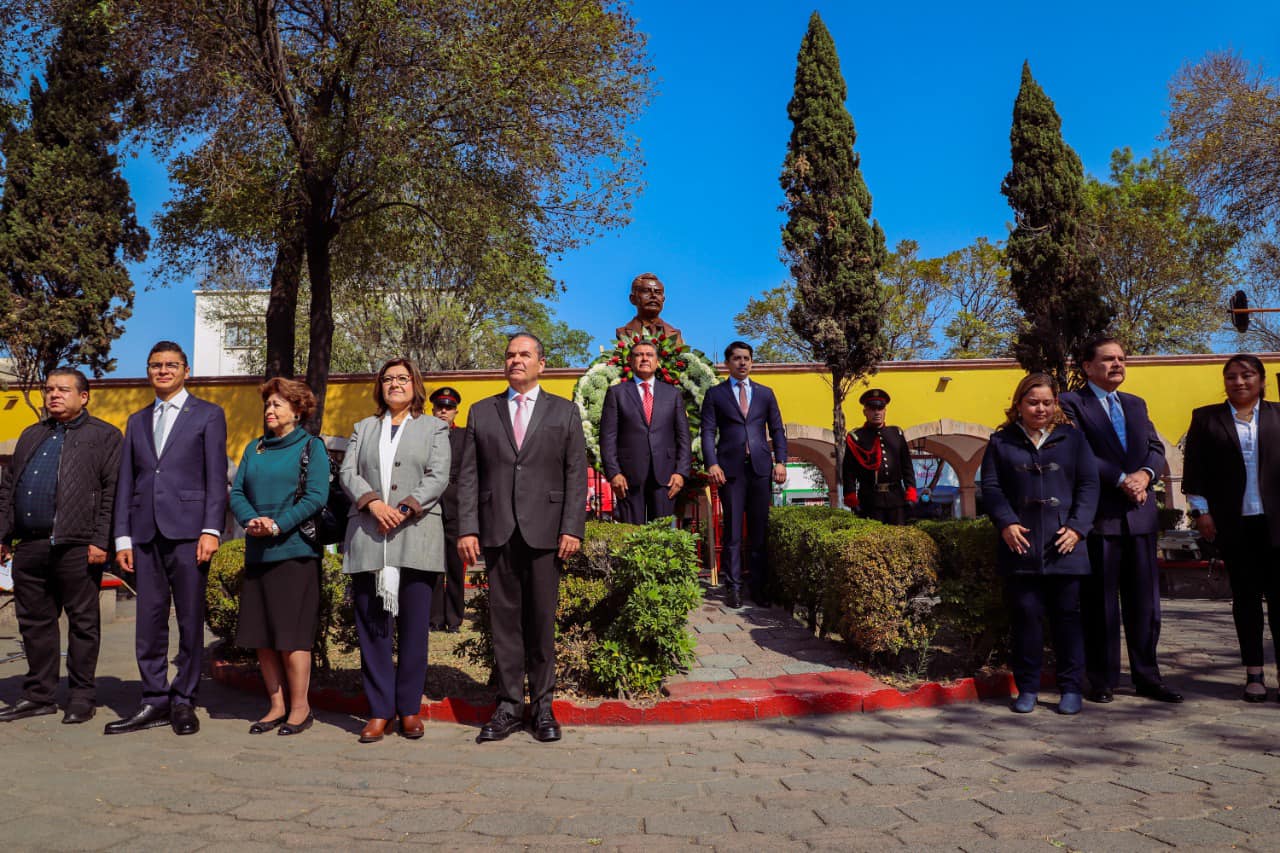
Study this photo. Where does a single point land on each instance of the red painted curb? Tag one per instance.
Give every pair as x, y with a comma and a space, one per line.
833, 692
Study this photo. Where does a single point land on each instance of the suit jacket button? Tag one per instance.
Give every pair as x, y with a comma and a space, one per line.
393, 488
519, 467
397, 464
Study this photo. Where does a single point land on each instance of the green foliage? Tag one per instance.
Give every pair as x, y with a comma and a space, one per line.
976, 283
67, 222
1166, 263
869, 582
913, 304
1052, 268
222, 602
766, 323
833, 247
971, 610
625, 599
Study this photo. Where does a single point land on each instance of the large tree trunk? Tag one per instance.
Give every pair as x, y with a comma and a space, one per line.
282, 306
839, 388
319, 236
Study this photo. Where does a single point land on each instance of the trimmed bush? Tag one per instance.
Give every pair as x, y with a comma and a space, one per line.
222, 602
880, 582
971, 610
800, 569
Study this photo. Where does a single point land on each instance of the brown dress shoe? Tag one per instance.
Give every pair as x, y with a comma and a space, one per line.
411, 726
374, 730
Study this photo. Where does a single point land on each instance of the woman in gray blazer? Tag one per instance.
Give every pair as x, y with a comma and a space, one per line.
395, 470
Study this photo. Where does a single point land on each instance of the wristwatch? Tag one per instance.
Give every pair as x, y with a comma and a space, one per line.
275, 529
404, 508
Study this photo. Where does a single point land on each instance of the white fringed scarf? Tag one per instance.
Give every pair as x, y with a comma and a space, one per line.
388, 585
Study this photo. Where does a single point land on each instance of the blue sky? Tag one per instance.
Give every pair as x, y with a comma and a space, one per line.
931, 89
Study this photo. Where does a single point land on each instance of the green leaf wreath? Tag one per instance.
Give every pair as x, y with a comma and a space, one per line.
688, 369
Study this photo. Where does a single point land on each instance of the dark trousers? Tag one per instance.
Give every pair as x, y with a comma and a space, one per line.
524, 590
1253, 567
393, 689
750, 495
449, 597
1124, 588
49, 580
644, 501
1030, 598
896, 515
167, 573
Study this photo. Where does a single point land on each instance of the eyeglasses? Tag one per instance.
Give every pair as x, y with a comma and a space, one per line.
397, 380
165, 365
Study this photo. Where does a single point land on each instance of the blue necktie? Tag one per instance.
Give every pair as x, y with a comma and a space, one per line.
1117, 417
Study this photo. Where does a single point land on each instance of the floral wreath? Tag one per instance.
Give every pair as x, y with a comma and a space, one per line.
688, 369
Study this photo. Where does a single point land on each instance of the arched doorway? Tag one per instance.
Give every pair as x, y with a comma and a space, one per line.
958, 443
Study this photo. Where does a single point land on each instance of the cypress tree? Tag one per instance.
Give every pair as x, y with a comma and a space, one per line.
1054, 272
833, 247
67, 221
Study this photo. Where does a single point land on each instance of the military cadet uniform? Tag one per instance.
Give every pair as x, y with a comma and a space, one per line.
448, 597
879, 479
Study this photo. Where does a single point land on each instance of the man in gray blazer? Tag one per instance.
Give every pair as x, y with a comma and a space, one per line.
644, 441
522, 498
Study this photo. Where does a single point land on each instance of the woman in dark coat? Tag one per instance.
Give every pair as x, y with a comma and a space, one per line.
1231, 474
1040, 487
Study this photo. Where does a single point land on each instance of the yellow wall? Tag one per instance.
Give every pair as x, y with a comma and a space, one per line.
977, 393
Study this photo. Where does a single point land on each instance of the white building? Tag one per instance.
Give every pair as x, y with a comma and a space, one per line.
221, 342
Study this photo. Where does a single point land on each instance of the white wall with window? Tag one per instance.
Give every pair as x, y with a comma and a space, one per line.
220, 341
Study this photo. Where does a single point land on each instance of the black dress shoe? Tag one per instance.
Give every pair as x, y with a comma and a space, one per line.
1159, 692
24, 708
185, 721
545, 727
1102, 695
78, 714
146, 717
500, 725
263, 726
290, 729
733, 600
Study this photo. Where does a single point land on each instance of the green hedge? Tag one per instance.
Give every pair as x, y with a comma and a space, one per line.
971, 611
222, 601
868, 582
625, 600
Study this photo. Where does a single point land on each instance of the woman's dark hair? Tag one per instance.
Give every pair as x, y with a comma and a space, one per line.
415, 379
295, 393
1035, 380
1253, 363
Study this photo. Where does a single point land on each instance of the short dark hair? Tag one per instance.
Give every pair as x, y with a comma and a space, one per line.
1089, 349
167, 346
1254, 363
82, 381
415, 379
728, 351
531, 336
297, 394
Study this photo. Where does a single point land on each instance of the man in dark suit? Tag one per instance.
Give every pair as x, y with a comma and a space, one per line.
878, 476
171, 504
739, 418
644, 441
522, 498
55, 512
447, 604
1124, 585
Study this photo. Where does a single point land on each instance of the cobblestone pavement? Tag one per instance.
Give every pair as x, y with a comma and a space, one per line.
1135, 775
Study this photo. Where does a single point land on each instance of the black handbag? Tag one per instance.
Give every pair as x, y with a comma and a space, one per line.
329, 525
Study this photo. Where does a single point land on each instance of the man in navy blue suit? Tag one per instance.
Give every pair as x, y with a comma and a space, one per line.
171, 503
1124, 585
739, 418
644, 441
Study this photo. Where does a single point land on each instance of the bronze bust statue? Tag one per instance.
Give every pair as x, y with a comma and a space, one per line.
648, 295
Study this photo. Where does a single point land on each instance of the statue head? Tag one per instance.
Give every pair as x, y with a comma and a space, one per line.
648, 295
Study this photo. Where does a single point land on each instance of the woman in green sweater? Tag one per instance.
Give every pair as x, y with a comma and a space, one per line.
280, 597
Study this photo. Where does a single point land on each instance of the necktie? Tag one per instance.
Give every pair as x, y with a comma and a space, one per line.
1117, 417
743, 403
521, 420
158, 433
648, 402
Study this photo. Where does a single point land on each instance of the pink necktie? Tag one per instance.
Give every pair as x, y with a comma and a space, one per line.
648, 403
519, 424
742, 398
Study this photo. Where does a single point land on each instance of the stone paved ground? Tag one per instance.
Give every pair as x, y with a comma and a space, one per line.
1134, 775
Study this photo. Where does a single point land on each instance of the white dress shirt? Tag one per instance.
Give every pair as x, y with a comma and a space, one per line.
1247, 432
530, 398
